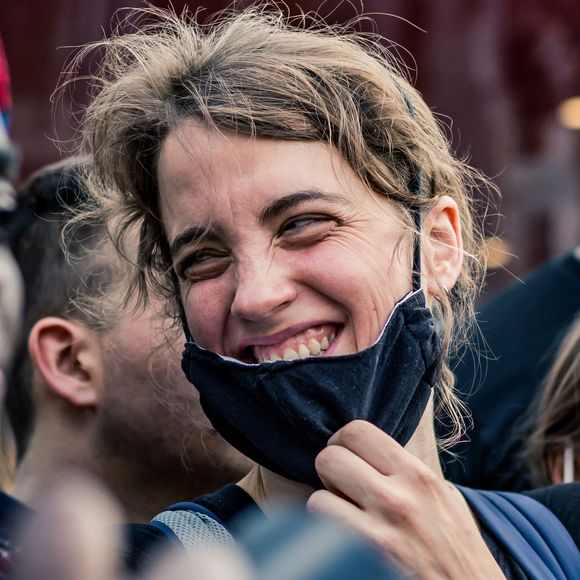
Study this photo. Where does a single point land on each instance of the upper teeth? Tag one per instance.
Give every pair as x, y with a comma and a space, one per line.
312, 347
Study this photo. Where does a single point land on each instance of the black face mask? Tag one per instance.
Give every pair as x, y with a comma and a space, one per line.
281, 414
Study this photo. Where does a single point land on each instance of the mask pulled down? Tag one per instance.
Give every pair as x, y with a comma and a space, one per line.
281, 414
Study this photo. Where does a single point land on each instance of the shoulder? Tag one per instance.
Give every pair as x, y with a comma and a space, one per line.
564, 502
141, 545
185, 526
227, 503
12, 512
527, 535
203, 523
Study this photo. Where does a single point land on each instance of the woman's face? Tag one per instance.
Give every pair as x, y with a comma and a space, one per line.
280, 250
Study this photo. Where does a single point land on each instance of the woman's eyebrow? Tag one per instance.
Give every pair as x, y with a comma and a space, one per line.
273, 210
280, 205
191, 235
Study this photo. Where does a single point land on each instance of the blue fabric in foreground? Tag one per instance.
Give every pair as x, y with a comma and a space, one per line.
529, 532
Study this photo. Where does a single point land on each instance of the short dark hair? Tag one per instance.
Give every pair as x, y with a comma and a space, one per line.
52, 283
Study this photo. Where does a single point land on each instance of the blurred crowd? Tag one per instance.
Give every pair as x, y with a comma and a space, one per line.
322, 365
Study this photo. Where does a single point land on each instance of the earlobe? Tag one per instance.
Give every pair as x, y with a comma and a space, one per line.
66, 355
445, 249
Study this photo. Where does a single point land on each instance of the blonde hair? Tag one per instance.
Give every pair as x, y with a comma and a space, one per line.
259, 74
557, 411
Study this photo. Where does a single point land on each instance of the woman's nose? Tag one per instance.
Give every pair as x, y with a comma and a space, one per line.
263, 289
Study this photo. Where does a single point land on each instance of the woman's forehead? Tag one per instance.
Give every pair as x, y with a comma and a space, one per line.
225, 169
193, 151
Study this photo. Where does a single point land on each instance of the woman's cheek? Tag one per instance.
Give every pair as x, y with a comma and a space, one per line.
323, 267
367, 291
206, 311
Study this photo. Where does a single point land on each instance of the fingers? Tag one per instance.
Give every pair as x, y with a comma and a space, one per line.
386, 497
73, 535
324, 502
367, 466
346, 474
385, 537
375, 447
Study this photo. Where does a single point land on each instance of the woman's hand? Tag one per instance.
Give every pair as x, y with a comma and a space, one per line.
392, 498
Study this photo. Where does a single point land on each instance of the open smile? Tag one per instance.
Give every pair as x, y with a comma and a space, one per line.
292, 344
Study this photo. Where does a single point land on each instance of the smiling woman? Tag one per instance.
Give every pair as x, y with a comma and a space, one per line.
300, 207
253, 75
278, 222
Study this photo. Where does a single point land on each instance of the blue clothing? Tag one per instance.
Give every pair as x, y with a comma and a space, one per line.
557, 505
533, 541
144, 541
12, 513
319, 549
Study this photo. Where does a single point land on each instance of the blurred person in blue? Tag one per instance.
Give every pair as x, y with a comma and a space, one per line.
300, 209
96, 384
518, 332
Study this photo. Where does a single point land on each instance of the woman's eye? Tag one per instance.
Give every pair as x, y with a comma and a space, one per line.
307, 228
202, 265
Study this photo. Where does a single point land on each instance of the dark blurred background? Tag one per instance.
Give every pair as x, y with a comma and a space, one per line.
499, 73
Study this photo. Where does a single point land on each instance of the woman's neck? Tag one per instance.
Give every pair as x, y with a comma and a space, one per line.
423, 443
268, 489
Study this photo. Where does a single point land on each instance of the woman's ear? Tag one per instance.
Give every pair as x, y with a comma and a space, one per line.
445, 245
67, 357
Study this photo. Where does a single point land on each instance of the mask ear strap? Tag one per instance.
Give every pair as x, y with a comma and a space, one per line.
415, 187
180, 308
416, 279
184, 324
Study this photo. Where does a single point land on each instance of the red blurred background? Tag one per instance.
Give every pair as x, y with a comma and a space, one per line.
495, 71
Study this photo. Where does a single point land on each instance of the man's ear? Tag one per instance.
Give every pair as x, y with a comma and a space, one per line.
445, 246
67, 356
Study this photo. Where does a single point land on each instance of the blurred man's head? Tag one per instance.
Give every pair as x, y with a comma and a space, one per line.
95, 384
